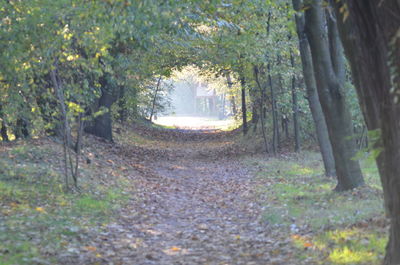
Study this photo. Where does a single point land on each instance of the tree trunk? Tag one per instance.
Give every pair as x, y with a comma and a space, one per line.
285, 126
3, 131
21, 129
122, 105
102, 125
274, 113
4, 135
261, 105
244, 109
153, 105
295, 109
232, 95
370, 31
328, 69
312, 95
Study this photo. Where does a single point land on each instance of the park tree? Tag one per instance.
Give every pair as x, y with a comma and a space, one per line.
312, 93
329, 68
370, 33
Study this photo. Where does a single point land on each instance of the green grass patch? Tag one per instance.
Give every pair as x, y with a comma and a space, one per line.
37, 218
300, 198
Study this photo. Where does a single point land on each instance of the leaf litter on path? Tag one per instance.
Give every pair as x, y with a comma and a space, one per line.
193, 205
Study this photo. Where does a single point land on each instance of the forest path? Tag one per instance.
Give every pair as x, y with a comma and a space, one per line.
192, 209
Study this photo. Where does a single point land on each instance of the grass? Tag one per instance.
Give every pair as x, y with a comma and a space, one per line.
37, 218
301, 199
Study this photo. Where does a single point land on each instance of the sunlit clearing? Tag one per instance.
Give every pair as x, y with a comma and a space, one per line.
195, 123
198, 100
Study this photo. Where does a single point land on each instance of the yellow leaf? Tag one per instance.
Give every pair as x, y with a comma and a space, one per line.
175, 249
98, 255
40, 209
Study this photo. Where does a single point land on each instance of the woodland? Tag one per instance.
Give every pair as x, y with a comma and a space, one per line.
306, 172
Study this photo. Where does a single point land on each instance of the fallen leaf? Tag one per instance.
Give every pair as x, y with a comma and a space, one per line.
90, 248
307, 244
175, 249
40, 209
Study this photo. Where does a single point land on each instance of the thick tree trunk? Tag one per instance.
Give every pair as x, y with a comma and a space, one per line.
21, 129
244, 109
370, 31
332, 96
312, 95
102, 124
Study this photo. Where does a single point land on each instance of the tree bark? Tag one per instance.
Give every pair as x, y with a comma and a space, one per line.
274, 113
153, 105
332, 95
295, 109
232, 95
261, 105
122, 105
3, 131
370, 33
102, 124
244, 109
21, 129
312, 95
4, 135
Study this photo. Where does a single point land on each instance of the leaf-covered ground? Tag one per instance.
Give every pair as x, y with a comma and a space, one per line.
161, 196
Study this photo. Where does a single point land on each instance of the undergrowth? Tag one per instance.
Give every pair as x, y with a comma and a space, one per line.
38, 220
326, 226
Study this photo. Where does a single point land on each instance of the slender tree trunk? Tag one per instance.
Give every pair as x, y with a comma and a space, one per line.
122, 105
331, 92
66, 131
261, 105
255, 101
3, 131
295, 109
285, 127
232, 95
312, 94
274, 113
153, 105
370, 31
244, 108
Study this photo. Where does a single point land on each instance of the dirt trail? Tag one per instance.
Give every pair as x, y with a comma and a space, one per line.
191, 210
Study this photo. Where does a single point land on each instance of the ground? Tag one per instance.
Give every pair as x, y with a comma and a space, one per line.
175, 196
